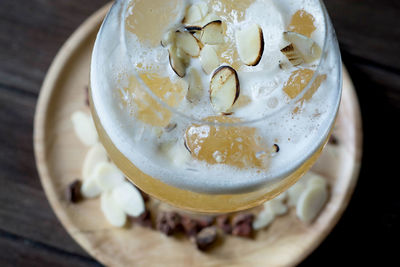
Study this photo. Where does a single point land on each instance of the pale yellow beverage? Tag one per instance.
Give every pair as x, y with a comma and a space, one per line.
186, 136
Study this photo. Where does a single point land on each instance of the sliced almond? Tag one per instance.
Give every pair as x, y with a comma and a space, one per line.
311, 202
108, 175
250, 44
187, 43
293, 55
95, 155
294, 193
283, 65
193, 14
224, 89
129, 199
90, 187
183, 56
209, 18
193, 29
177, 64
203, 8
168, 38
213, 33
84, 128
263, 219
195, 89
313, 178
309, 49
111, 210
209, 59
276, 206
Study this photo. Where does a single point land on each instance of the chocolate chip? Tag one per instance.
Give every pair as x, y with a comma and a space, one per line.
190, 226
242, 225
206, 238
333, 140
224, 224
144, 219
243, 230
205, 221
73, 192
168, 222
240, 218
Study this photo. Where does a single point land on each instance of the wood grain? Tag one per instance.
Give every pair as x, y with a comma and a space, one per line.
31, 32
17, 251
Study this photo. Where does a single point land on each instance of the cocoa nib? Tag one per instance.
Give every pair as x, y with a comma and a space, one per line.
242, 225
224, 224
144, 219
73, 192
205, 221
206, 237
168, 222
190, 226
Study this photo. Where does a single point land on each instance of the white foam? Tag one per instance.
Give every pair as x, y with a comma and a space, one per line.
298, 136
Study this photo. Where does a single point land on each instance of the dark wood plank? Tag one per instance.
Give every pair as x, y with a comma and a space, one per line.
371, 222
368, 29
24, 209
32, 32
16, 251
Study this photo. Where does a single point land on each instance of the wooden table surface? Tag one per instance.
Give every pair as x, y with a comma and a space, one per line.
31, 33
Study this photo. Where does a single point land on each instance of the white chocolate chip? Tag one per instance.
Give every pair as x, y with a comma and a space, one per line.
129, 199
111, 210
96, 154
264, 218
90, 187
277, 207
312, 178
294, 193
84, 128
108, 176
311, 202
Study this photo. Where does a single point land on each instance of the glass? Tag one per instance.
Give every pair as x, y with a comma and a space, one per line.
129, 106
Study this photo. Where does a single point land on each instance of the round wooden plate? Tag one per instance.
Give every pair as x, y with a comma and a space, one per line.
59, 156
